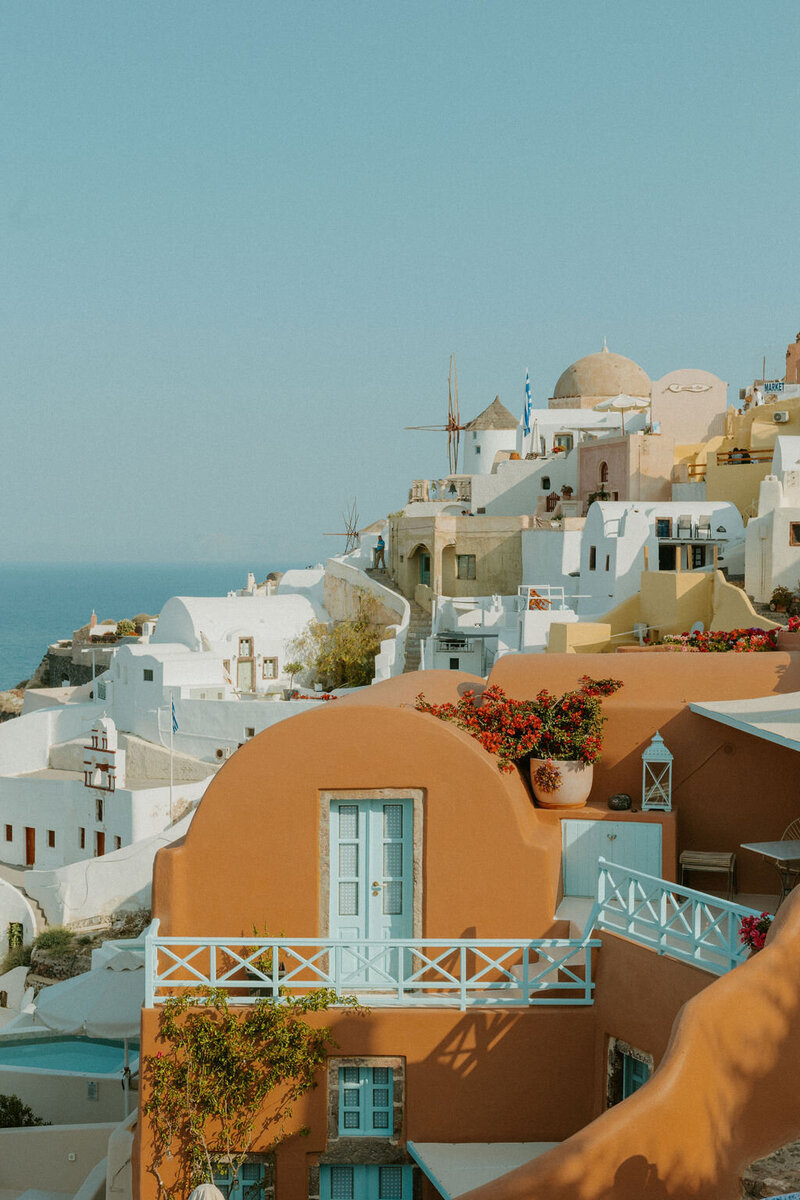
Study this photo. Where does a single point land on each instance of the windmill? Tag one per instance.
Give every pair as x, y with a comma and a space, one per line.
453, 427
350, 531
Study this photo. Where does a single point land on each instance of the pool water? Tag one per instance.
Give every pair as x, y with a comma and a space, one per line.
94, 1056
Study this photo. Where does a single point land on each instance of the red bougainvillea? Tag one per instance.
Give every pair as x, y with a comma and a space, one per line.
566, 727
753, 930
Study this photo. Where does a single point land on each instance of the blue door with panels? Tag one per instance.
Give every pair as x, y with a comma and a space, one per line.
344, 1181
371, 893
634, 844
635, 1074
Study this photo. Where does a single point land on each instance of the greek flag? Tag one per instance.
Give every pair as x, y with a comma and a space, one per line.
174, 718
526, 416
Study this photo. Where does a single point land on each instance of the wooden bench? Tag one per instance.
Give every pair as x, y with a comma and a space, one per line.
713, 861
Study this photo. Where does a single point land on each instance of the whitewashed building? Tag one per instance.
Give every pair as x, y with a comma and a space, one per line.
620, 540
772, 552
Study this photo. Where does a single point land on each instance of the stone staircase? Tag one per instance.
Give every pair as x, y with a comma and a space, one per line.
419, 622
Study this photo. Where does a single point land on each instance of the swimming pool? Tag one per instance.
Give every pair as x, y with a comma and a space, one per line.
67, 1055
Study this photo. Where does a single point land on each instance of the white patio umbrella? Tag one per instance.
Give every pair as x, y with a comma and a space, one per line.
105, 1003
622, 403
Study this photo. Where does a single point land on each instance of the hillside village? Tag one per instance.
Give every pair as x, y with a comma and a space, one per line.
553, 987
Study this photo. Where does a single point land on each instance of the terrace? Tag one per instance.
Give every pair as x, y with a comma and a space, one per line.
461, 973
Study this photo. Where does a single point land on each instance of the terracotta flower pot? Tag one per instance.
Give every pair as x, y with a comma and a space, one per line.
574, 789
788, 639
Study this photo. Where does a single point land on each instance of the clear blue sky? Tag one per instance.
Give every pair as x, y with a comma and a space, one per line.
240, 241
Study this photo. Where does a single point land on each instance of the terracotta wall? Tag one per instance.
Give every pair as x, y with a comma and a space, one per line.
476, 1076
725, 1094
728, 787
252, 852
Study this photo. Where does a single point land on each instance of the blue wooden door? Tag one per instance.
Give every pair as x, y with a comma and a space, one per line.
371, 883
346, 1181
634, 844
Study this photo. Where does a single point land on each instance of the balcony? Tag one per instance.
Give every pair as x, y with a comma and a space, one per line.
402, 972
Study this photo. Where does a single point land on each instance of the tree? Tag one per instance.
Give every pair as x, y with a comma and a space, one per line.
14, 1114
342, 654
228, 1079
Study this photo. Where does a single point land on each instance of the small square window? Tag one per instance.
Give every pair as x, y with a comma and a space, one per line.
245, 647
269, 668
249, 731
545, 483
465, 566
663, 527
365, 1101
99, 809
593, 558
9, 833
51, 838
794, 533
148, 674
81, 839
117, 843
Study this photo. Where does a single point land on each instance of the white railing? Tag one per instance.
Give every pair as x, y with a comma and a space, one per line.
541, 596
406, 972
677, 921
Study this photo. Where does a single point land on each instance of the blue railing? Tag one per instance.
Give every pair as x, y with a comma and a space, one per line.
406, 972
679, 922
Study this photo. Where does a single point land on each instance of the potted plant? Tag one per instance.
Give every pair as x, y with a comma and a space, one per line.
560, 736
291, 668
780, 599
566, 491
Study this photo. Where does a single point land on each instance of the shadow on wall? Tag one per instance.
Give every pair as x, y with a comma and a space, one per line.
724, 1095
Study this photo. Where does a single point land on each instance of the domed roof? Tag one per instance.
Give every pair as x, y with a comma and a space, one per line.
603, 374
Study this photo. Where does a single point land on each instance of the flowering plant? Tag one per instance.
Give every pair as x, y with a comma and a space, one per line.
794, 624
719, 641
566, 727
547, 776
753, 930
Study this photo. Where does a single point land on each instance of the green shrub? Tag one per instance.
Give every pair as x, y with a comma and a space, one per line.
16, 956
13, 1113
58, 939
125, 628
342, 655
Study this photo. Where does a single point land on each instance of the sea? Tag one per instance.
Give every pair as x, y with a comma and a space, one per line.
42, 602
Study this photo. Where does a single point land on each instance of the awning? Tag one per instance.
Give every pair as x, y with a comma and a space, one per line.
457, 1167
774, 718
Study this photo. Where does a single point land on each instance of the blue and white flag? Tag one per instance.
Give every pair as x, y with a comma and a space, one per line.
526, 416
174, 718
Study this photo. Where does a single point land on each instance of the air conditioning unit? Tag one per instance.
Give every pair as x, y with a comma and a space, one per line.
224, 752
780, 418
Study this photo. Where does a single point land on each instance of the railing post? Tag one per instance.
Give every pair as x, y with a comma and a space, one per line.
462, 958
150, 963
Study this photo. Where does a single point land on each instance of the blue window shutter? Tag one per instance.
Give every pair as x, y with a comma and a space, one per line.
634, 1074
365, 1101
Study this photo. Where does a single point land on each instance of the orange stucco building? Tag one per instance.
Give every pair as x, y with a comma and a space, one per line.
367, 823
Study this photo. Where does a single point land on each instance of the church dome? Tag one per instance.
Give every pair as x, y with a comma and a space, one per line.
601, 375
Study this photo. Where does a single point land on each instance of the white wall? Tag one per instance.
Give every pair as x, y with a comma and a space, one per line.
66, 806
53, 1158
515, 488
14, 907
481, 445
770, 558
25, 742
619, 533
550, 556
101, 886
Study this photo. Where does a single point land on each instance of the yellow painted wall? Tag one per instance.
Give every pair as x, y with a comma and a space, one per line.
733, 610
737, 483
581, 637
